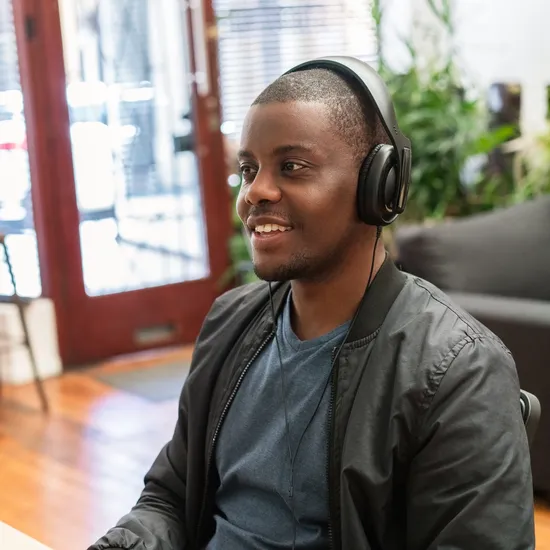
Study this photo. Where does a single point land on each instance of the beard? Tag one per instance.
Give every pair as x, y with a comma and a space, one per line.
304, 266
297, 267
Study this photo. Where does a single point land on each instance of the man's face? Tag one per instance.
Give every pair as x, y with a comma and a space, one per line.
298, 194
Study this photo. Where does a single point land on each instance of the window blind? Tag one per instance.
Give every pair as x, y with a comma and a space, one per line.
260, 39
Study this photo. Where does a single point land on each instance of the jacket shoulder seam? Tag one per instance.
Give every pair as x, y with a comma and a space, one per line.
437, 374
476, 333
446, 305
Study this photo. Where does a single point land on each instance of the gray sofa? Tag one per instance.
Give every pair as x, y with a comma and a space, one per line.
497, 267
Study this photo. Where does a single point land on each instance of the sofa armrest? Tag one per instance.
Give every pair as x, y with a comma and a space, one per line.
524, 327
517, 311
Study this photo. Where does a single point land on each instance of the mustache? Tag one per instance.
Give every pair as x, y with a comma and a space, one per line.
257, 211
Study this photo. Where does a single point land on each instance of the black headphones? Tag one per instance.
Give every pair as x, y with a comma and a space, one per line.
384, 176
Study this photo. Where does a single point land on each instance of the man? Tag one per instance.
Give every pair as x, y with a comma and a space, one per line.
321, 415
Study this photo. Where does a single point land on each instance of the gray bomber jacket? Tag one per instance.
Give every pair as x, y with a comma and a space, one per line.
427, 448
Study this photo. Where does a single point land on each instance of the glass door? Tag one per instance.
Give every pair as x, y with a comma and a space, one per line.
16, 216
142, 219
131, 124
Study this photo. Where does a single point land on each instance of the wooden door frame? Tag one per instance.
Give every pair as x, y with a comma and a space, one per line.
208, 115
56, 215
42, 74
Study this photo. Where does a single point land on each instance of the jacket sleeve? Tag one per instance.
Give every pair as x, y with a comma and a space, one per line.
470, 481
157, 521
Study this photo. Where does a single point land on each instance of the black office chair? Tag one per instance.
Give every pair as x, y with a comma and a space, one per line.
530, 410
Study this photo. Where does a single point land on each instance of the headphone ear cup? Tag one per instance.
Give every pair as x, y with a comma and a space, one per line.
362, 188
376, 187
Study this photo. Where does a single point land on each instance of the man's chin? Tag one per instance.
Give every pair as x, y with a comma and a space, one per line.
269, 275
280, 272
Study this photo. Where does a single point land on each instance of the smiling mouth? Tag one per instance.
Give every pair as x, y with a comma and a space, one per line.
270, 228
265, 237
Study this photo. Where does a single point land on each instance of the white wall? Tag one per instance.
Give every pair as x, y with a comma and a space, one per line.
497, 41
396, 24
509, 41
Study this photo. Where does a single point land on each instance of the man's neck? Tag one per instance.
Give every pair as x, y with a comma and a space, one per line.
322, 306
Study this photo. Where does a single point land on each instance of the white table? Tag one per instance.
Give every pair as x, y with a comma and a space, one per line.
12, 539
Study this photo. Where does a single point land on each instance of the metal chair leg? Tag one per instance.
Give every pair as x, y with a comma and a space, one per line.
32, 357
27, 342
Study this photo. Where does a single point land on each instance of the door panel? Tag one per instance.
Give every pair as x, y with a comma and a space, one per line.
136, 173
135, 189
16, 218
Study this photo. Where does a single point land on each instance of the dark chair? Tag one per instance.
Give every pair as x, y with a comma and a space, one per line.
530, 410
22, 303
496, 266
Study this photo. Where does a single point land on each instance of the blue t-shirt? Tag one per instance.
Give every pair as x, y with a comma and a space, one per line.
252, 457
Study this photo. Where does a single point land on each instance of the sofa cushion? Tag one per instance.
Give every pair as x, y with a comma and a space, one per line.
505, 252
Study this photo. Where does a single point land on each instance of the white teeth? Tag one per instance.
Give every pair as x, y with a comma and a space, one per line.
269, 227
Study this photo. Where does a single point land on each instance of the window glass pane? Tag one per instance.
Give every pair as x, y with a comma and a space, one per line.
16, 220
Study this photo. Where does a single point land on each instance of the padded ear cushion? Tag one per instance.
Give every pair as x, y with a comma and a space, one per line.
362, 183
376, 187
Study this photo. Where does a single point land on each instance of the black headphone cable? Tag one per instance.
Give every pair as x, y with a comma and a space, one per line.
292, 457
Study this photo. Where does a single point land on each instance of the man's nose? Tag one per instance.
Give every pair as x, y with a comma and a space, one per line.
263, 189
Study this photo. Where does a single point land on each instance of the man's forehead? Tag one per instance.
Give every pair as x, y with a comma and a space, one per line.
289, 108
292, 121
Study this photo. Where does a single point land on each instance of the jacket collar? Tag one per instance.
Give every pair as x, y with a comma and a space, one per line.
378, 299
376, 302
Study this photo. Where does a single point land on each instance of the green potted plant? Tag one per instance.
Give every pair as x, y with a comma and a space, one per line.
241, 270
447, 124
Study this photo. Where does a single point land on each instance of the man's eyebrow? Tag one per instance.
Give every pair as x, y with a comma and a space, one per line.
280, 150
293, 148
244, 154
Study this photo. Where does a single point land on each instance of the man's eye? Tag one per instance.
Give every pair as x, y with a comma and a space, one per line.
247, 171
291, 166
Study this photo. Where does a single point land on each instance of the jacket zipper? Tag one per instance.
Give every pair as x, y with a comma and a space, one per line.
222, 418
333, 493
329, 446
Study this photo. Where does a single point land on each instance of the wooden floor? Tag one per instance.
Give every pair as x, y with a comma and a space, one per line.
66, 478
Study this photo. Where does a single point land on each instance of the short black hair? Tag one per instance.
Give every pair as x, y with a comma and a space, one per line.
352, 115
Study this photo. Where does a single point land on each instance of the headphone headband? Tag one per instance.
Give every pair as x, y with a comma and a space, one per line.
376, 91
